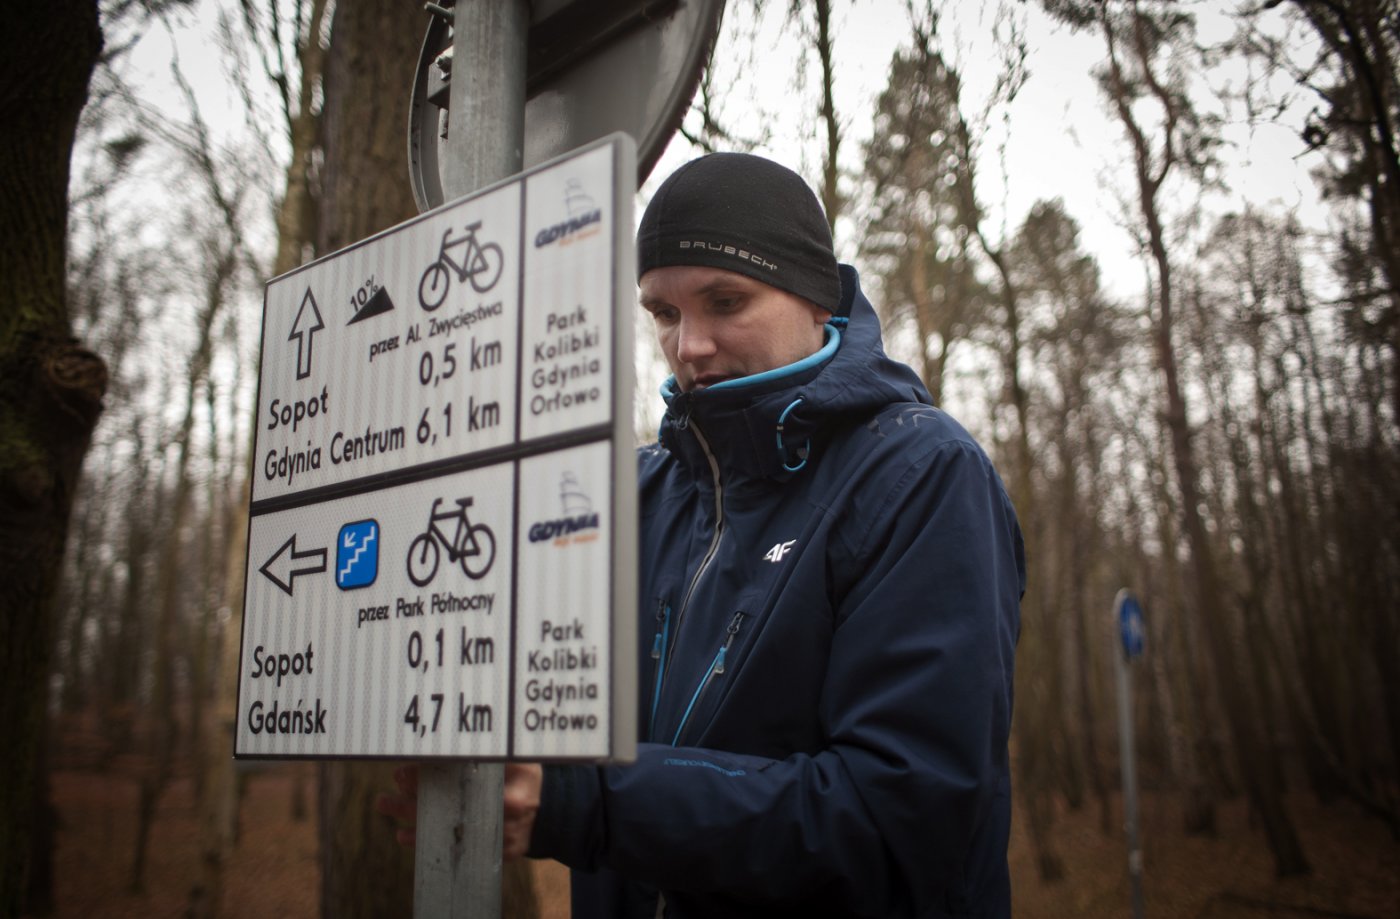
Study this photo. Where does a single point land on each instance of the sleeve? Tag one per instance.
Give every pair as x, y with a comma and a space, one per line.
907, 808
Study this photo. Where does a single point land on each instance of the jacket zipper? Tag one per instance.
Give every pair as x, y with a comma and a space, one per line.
713, 548
716, 668
662, 648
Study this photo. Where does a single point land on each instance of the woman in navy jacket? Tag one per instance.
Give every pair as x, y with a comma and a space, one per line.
831, 573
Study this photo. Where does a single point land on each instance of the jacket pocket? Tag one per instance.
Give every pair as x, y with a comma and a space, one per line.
660, 649
716, 671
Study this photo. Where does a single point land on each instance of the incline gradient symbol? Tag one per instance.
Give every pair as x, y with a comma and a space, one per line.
357, 555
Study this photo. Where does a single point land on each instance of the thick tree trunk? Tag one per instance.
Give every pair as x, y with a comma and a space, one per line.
51, 388
218, 806
365, 189
374, 44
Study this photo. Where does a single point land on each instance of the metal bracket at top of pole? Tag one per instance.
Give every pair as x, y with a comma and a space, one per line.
486, 117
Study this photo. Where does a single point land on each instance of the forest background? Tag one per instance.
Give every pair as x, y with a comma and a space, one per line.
1186, 373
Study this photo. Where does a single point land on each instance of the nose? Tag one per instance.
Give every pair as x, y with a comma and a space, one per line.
694, 340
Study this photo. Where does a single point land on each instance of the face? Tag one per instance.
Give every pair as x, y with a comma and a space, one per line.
715, 325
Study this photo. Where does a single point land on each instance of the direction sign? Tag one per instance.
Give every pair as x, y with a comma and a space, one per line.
1130, 625
441, 550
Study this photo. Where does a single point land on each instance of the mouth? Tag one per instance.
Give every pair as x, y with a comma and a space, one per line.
703, 380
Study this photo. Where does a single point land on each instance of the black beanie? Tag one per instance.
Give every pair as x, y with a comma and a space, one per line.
745, 214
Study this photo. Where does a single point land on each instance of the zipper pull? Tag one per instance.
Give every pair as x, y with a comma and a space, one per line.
729, 640
661, 612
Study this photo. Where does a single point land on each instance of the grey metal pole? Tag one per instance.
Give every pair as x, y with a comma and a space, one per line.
457, 868
1127, 756
486, 114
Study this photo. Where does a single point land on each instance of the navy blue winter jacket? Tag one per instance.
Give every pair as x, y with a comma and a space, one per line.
830, 575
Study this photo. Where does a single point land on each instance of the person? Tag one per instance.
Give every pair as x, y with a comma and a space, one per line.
830, 574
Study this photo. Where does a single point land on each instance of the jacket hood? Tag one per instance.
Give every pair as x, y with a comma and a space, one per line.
771, 424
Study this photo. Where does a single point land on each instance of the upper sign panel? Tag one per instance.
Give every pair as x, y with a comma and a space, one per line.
424, 343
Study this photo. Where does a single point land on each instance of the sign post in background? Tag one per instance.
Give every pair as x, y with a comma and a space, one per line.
1129, 631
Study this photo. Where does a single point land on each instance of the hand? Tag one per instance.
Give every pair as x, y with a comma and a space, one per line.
522, 802
402, 806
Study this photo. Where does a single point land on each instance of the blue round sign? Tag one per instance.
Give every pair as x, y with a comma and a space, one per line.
1131, 626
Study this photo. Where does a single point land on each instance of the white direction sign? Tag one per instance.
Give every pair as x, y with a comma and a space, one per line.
442, 537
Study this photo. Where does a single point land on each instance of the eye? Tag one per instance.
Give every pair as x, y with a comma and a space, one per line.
726, 303
663, 315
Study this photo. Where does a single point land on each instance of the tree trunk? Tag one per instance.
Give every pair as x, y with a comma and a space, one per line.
1188, 741
831, 194
161, 716
374, 44
51, 388
218, 807
296, 217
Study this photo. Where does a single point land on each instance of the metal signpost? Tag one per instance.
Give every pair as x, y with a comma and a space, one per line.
457, 870
1128, 629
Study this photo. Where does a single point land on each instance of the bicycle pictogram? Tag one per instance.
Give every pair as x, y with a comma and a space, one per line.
472, 545
480, 265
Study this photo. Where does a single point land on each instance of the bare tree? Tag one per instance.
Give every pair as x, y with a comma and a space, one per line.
291, 40
1135, 42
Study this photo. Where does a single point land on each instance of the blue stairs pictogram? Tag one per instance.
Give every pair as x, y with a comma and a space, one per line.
357, 555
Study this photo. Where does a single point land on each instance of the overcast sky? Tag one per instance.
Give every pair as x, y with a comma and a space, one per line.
1059, 142
1055, 141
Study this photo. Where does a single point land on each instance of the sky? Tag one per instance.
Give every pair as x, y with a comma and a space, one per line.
1058, 142
1055, 140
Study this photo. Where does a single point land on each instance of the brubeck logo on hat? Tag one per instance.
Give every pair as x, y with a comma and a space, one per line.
745, 214
717, 246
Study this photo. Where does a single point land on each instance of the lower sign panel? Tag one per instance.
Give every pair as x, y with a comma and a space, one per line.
465, 616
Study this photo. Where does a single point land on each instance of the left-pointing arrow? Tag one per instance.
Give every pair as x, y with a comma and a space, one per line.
286, 563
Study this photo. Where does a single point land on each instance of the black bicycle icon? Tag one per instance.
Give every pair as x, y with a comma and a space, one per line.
472, 545
481, 265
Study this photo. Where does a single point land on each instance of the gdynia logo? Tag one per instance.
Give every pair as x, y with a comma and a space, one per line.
583, 213
579, 522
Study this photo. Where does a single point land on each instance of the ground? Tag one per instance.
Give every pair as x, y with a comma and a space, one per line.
274, 870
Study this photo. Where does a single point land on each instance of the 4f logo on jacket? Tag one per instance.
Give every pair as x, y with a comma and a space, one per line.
776, 553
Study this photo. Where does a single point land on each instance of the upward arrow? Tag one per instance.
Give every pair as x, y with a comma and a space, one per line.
307, 324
